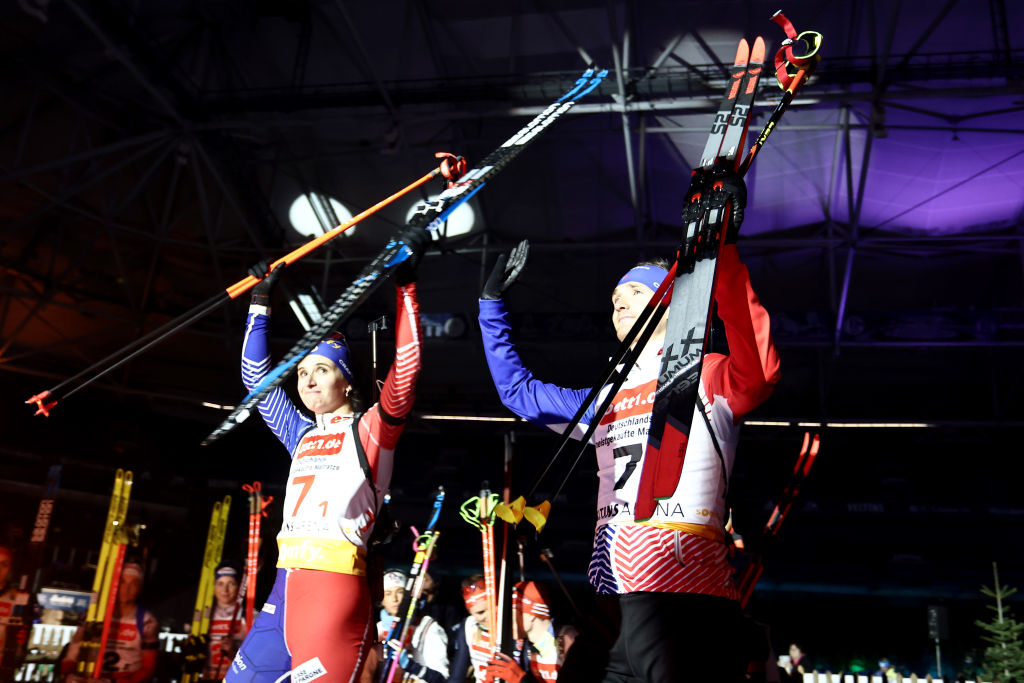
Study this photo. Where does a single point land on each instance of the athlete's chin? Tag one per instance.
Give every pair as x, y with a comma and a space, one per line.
313, 404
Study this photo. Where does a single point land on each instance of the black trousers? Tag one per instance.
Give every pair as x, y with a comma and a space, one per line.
678, 637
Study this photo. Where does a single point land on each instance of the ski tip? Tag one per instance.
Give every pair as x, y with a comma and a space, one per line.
757, 54
742, 53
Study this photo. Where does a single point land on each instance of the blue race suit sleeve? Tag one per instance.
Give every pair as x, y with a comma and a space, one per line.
538, 402
281, 415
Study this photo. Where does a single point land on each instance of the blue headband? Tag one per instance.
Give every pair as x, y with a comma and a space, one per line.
645, 275
335, 349
226, 571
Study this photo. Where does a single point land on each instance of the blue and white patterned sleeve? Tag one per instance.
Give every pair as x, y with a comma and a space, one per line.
282, 416
541, 403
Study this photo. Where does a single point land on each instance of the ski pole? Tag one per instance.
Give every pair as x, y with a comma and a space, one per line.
486, 508
424, 546
378, 325
502, 636
420, 560
479, 511
46, 400
789, 82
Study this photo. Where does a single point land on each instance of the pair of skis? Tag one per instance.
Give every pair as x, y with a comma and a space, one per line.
707, 215
429, 215
245, 604
402, 627
195, 650
257, 510
103, 601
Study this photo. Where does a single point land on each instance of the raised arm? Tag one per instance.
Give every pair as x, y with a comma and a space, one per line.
748, 374
384, 422
539, 402
282, 416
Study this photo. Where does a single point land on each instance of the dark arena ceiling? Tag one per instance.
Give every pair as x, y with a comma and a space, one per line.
150, 151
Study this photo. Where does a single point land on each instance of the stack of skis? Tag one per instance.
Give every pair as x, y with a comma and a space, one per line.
194, 653
103, 603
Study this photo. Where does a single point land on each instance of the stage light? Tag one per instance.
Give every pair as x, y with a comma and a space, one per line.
315, 214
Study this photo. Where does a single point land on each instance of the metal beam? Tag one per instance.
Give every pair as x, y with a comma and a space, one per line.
366, 65
63, 199
626, 132
855, 209
204, 212
229, 198
722, 69
833, 181
952, 187
1000, 32
89, 155
545, 6
950, 4
128, 64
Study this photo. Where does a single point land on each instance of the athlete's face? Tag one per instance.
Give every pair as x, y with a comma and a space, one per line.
393, 599
628, 300
479, 613
129, 588
322, 387
226, 590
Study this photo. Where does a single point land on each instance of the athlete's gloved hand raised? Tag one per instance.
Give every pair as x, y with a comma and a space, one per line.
732, 186
261, 291
506, 269
503, 667
416, 239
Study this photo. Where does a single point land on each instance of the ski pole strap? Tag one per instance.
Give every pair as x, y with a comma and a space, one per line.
470, 511
785, 56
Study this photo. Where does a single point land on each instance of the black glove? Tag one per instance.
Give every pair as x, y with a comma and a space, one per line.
506, 269
416, 240
735, 191
261, 292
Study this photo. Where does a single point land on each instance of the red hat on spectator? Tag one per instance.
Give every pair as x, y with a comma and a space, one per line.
530, 599
474, 594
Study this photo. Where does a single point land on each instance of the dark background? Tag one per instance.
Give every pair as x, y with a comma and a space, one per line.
150, 151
